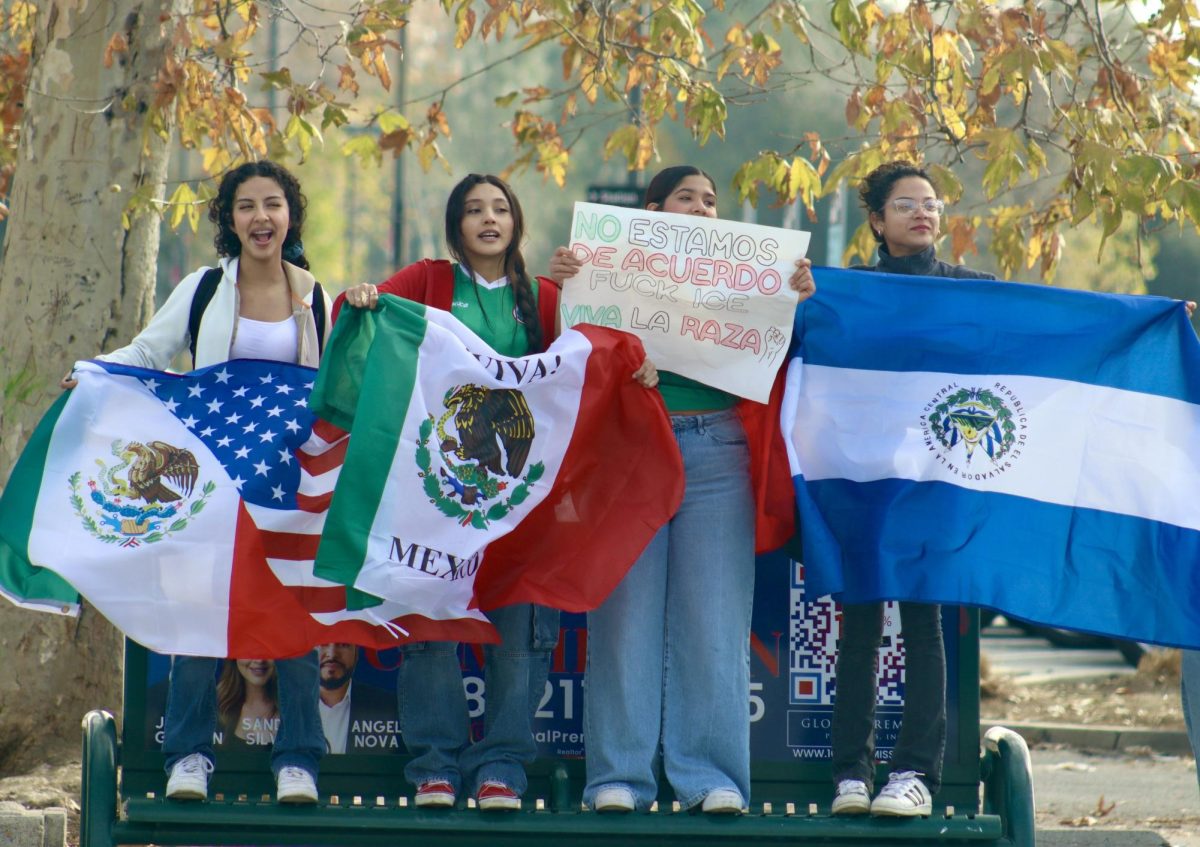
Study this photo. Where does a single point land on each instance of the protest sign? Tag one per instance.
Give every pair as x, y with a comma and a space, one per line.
708, 298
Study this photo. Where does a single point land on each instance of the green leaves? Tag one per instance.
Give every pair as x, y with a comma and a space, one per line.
706, 112
1184, 197
1003, 155
184, 203
302, 133
1070, 121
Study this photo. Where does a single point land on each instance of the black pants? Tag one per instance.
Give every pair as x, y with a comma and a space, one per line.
922, 740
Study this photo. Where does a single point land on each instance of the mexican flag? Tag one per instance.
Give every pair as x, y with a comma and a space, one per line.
474, 480
187, 509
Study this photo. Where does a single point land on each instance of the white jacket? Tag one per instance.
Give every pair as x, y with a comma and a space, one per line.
166, 336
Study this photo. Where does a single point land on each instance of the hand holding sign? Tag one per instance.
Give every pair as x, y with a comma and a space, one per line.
702, 294
802, 281
563, 265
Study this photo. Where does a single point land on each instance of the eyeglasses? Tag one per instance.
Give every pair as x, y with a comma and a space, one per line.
906, 206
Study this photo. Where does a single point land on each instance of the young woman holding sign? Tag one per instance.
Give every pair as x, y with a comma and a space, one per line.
904, 213
668, 652
489, 290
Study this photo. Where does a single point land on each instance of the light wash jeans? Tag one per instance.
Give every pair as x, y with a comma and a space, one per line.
191, 717
433, 706
922, 741
669, 651
1189, 690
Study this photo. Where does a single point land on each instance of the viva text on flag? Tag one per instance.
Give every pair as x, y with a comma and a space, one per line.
454, 446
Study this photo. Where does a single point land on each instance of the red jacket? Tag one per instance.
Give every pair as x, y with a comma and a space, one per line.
770, 474
431, 282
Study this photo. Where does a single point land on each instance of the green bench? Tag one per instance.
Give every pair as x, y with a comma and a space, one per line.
365, 800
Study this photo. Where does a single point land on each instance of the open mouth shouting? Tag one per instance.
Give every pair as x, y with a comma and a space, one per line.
260, 217
262, 237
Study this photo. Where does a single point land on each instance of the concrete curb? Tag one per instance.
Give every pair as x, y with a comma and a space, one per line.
21, 827
1096, 737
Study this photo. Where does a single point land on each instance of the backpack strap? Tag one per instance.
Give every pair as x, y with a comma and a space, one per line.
318, 308
200, 300
208, 287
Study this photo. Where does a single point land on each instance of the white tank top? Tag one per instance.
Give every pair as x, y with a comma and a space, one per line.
272, 340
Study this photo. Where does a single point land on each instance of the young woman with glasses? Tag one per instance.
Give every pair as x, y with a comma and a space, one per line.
904, 212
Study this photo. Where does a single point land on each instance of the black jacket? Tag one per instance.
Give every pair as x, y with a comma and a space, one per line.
924, 263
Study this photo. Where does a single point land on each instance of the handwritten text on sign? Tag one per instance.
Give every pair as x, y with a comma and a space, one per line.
708, 298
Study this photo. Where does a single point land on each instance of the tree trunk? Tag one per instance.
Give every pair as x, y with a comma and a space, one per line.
73, 282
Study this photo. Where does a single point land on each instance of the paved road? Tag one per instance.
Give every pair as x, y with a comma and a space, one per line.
1029, 658
1157, 800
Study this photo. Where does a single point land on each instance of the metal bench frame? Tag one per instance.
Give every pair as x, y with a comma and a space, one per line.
365, 800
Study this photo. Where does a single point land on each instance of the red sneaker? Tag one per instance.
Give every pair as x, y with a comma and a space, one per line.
496, 796
435, 794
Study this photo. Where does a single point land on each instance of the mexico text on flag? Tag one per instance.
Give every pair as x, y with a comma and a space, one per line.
187, 509
1015, 446
474, 480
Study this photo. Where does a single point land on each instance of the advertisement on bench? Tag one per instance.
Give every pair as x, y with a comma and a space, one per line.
792, 688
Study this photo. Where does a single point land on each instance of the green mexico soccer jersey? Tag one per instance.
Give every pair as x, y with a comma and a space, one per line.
490, 311
683, 394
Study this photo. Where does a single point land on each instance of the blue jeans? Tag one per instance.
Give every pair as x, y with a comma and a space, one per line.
922, 740
1189, 690
191, 717
669, 651
433, 705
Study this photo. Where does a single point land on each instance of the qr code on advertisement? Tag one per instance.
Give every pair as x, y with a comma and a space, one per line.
813, 626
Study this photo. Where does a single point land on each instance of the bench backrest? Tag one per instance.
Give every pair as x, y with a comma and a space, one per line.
792, 650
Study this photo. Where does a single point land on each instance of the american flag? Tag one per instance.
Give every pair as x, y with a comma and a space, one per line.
253, 416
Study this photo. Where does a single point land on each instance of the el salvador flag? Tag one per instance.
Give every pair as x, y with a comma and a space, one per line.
1016, 446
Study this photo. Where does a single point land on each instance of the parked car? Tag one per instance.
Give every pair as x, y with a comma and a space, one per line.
1132, 651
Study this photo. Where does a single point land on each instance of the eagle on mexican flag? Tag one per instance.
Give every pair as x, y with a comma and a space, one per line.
474, 480
189, 509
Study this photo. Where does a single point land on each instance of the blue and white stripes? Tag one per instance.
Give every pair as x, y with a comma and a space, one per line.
1006, 445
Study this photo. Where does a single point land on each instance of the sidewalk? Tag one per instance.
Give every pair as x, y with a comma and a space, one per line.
1096, 737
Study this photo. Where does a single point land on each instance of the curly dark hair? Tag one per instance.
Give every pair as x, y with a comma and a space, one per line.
220, 209
877, 186
514, 262
667, 180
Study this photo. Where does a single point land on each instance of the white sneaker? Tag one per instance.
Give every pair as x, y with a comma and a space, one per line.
852, 798
295, 785
905, 796
615, 798
722, 801
189, 778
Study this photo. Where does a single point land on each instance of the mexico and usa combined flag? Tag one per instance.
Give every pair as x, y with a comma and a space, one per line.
1021, 447
188, 510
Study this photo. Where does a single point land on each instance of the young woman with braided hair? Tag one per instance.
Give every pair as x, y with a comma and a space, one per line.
487, 288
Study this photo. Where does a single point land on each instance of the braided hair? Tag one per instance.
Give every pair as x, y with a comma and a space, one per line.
514, 262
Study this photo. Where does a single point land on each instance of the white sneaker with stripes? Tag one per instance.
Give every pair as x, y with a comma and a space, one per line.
852, 798
905, 796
